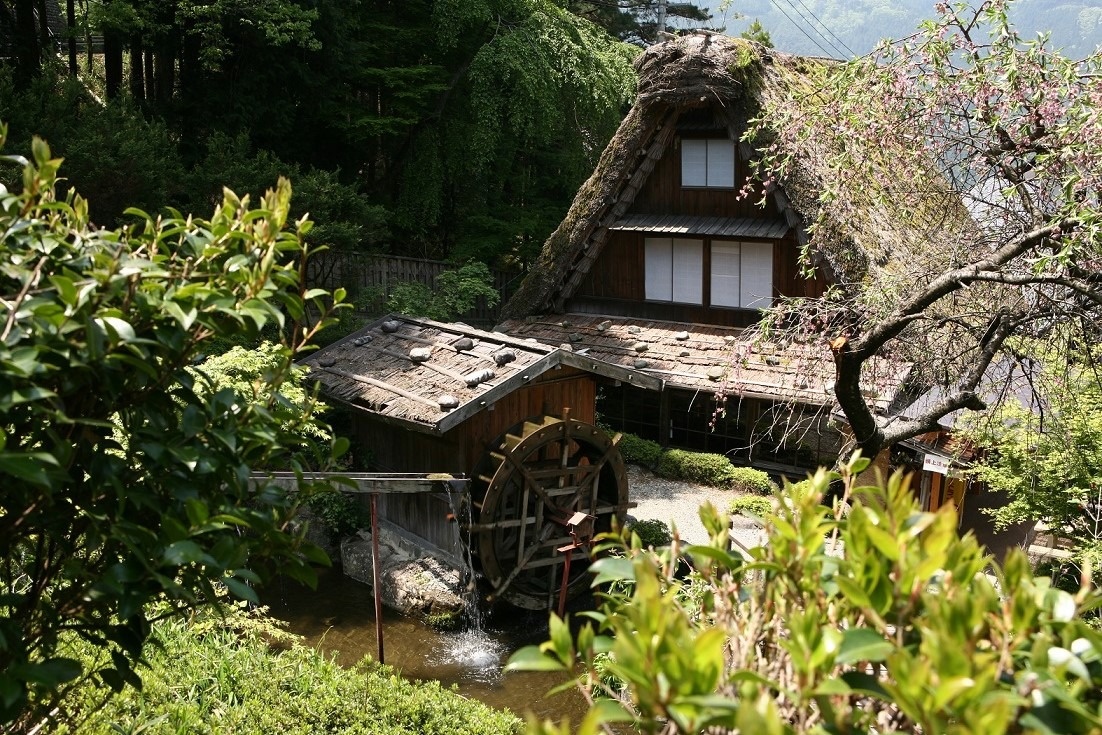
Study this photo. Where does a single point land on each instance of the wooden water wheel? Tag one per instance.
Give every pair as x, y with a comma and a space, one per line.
529, 484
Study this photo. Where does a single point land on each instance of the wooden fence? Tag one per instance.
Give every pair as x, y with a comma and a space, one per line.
376, 275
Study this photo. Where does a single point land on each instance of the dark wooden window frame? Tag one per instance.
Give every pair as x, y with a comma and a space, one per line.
680, 144
706, 270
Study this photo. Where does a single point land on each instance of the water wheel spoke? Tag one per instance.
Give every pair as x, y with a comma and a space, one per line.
534, 478
530, 482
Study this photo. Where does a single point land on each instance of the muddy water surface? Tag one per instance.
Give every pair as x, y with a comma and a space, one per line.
339, 617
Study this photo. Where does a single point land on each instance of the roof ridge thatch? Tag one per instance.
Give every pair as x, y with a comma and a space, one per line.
741, 78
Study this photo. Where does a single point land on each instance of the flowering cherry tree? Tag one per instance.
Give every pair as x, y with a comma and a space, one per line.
988, 147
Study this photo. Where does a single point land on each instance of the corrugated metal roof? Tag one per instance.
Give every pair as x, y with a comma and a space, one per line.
709, 358
709, 226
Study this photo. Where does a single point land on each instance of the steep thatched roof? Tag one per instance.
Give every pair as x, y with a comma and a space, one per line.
430, 376
854, 231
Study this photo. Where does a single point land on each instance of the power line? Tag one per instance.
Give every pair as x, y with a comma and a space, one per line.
815, 41
824, 25
834, 49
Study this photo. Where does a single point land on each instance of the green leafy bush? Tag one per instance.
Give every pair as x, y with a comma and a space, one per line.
877, 619
342, 514
456, 293
752, 505
126, 471
639, 451
652, 532
709, 469
345, 219
221, 675
749, 480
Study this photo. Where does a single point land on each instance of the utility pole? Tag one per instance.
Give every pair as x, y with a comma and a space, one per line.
660, 26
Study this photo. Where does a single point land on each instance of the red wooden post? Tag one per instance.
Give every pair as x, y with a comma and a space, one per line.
375, 575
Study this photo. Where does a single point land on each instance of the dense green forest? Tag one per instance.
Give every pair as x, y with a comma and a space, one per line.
428, 128
441, 129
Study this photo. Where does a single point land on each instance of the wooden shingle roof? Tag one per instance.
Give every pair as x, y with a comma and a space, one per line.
431, 376
705, 357
706, 226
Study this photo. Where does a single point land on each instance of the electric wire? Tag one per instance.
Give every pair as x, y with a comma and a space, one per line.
825, 26
832, 54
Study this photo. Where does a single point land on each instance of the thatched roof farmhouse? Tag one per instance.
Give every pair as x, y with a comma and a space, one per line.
667, 253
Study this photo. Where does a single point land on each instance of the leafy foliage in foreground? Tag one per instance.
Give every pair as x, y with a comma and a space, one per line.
125, 472
879, 619
220, 675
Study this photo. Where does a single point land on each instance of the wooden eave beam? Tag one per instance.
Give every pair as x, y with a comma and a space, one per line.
382, 483
496, 393
599, 367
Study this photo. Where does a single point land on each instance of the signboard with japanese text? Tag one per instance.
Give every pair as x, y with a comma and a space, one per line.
936, 463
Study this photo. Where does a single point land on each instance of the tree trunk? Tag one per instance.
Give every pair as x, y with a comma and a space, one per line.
112, 62
71, 27
867, 435
44, 42
165, 69
27, 52
150, 87
189, 96
88, 40
137, 67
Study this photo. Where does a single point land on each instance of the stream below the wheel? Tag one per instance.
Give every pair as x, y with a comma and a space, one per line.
338, 617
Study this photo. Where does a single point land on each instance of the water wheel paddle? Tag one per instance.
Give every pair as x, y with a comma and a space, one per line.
530, 482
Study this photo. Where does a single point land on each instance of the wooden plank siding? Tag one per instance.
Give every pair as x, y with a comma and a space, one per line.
461, 450
663, 192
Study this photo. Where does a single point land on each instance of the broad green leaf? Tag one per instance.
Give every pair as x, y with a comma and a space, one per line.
531, 658
52, 672
862, 644
29, 467
181, 553
241, 590
612, 569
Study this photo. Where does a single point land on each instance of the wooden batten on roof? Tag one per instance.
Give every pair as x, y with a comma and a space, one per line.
431, 376
708, 358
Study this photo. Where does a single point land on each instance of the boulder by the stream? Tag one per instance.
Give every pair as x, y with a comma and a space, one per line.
412, 582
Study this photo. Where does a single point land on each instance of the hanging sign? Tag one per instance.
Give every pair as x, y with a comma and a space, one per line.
936, 463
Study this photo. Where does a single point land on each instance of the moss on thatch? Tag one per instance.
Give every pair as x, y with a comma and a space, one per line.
855, 229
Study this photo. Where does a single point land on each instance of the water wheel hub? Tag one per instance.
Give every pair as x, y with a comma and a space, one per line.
534, 480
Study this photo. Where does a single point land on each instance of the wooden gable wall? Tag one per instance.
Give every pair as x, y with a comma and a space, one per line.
615, 285
395, 449
663, 193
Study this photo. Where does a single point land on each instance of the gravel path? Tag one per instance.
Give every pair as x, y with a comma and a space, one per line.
677, 503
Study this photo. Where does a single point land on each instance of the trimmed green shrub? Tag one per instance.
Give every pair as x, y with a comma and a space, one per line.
652, 532
750, 505
709, 469
640, 451
749, 480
